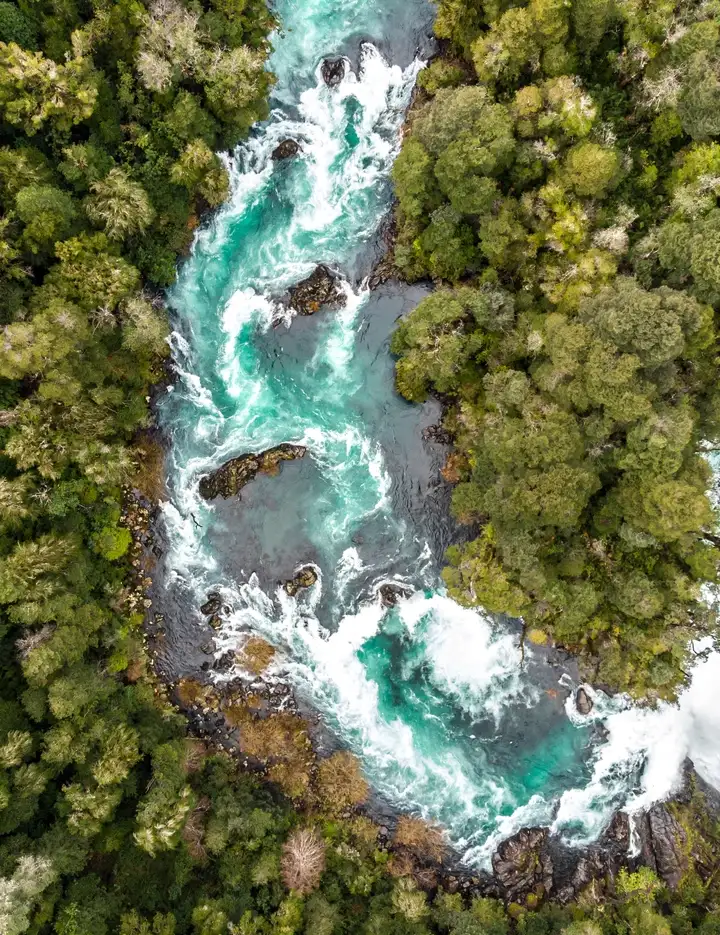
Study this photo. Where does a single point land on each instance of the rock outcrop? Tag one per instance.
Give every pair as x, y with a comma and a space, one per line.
664, 844
523, 867
304, 578
333, 71
227, 481
286, 150
390, 594
583, 702
319, 289
212, 605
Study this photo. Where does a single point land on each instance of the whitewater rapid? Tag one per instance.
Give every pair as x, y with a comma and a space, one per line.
432, 696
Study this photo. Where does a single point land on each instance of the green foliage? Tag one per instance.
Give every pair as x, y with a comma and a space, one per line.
580, 413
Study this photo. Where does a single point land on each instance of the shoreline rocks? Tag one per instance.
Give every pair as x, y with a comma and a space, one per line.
229, 479
320, 289
583, 702
523, 867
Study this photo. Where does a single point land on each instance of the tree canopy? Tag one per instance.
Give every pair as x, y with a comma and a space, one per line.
560, 183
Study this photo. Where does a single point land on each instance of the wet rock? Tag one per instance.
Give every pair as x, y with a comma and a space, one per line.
286, 150
664, 845
224, 663
304, 578
228, 480
617, 834
522, 865
583, 702
333, 71
212, 605
436, 433
208, 647
319, 289
390, 594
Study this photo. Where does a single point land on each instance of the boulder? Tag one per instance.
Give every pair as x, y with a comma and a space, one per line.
391, 593
304, 578
583, 702
212, 605
229, 479
522, 865
333, 71
319, 289
286, 150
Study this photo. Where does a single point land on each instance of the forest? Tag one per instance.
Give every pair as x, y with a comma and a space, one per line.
114, 820
559, 182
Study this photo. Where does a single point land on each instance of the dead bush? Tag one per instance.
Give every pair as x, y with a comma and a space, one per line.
422, 839
303, 860
256, 655
340, 782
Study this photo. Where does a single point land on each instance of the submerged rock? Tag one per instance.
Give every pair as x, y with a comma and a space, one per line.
522, 865
583, 702
333, 71
286, 150
437, 433
320, 288
228, 480
304, 578
390, 594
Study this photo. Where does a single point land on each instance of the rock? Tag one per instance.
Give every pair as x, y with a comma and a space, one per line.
304, 578
391, 593
436, 433
212, 605
228, 480
333, 71
286, 150
319, 289
522, 865
664, 845
583, 702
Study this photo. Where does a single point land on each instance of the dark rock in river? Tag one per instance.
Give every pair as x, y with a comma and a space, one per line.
229, 479
391, 593
212, 605
286, 150
333, 71
583, 702
304, 578
320, 288
522, 865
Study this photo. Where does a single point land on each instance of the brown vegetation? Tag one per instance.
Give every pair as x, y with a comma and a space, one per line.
255, 655
340, 783
303, 860
279, 740
422, 839
149, 477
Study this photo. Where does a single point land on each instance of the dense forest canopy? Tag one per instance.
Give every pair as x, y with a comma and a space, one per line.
113, 821
560, 180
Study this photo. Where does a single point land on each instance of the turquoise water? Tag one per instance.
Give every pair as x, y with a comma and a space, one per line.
431, 696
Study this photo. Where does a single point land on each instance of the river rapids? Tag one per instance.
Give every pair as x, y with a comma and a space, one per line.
434, 698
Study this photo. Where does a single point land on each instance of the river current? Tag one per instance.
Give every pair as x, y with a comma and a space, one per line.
448, 720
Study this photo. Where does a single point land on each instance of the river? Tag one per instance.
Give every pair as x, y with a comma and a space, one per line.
434, 698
